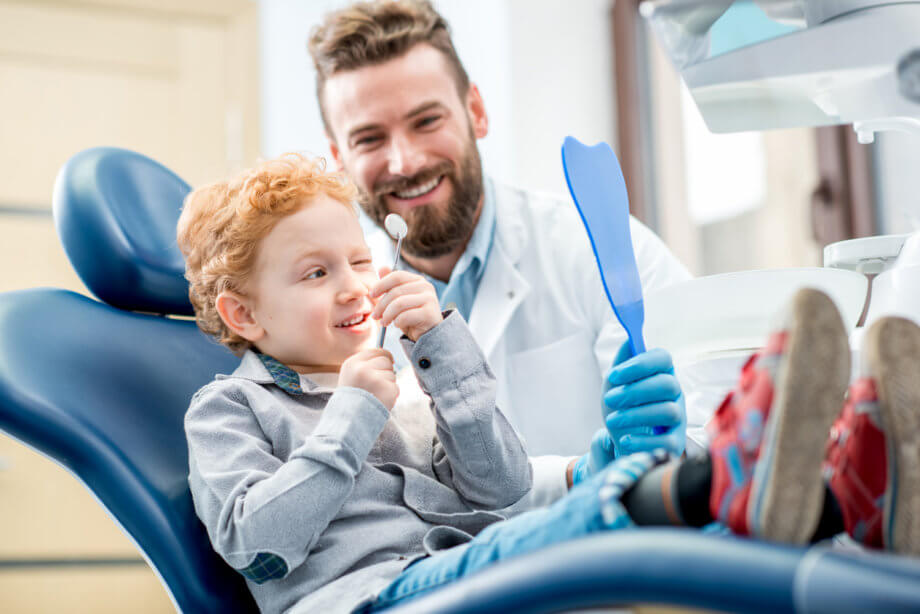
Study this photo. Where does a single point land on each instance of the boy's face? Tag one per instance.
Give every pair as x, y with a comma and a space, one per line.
309, 291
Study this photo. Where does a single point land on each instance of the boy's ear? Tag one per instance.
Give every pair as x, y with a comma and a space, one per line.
236, 312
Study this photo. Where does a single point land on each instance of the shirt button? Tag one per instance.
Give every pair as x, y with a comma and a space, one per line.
424, 363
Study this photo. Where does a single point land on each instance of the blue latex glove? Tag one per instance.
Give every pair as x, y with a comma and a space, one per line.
640, 393
598, 456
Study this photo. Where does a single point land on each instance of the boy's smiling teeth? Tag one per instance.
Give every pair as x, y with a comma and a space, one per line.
357, 319
418, 191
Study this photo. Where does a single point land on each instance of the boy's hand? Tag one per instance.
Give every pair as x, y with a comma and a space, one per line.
407, 300
371, 370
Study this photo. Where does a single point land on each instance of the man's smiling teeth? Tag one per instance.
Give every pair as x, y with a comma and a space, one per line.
351, 322
418, 191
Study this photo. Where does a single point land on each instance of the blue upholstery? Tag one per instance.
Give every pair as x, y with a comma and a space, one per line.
115, 212
683, 567
103, 392
102, 389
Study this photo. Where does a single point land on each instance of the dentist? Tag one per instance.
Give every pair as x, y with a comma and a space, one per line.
402, 119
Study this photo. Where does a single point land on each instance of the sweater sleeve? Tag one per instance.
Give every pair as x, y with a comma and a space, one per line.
477, 451
264, 515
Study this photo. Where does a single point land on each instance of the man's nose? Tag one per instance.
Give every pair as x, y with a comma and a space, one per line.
405, 157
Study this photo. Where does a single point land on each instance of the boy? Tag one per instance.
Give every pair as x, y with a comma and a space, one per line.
311, 480
328, 495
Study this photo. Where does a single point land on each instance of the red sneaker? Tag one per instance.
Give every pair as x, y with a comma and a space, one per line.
854, 465
768, 435
873, 455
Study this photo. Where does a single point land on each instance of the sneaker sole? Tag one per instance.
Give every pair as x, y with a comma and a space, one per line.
787, 491
893, 356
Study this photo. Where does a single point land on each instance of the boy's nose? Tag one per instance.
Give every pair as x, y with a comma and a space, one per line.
353, 287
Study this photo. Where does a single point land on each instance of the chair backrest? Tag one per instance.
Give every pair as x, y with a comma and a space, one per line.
103, 389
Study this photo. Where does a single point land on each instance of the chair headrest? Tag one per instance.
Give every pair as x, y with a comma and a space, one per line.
115, 212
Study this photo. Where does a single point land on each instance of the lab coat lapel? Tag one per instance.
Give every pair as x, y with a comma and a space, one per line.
502, 287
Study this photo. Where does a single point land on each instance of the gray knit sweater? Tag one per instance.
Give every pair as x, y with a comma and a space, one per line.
321, 497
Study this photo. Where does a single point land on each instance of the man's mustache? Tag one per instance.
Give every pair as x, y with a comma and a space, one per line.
399, 184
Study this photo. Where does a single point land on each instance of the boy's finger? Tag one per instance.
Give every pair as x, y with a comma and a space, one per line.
382, 363
369, 354
379, 363
410, 318
385, 371
401, 304
390, 281
417, 286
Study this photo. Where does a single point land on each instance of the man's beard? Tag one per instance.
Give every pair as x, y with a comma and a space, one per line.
432, 232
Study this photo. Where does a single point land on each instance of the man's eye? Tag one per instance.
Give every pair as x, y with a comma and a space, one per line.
315, 274
428, 120
366, 141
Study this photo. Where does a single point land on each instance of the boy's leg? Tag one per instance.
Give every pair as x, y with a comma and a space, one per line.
873, 454
590, 507
787, 490
678, 494
779, 425
764, 474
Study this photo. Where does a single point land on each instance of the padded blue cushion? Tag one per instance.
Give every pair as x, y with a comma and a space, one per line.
116, 213
682, 567
104, 392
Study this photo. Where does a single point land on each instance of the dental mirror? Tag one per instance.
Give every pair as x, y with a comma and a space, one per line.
396, 227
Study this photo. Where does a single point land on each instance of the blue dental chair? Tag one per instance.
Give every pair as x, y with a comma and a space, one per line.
101, 387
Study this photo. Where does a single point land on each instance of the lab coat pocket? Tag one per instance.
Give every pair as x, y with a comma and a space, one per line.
556, 390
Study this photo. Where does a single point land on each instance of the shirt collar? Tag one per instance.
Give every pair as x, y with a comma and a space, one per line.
263, 369
284, 377
477, 250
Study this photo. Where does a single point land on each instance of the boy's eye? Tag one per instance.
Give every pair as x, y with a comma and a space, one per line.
363, 263
315, 274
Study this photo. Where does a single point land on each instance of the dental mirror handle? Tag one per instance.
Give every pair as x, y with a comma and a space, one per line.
383, 329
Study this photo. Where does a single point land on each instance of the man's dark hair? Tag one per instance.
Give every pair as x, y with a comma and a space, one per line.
368, 33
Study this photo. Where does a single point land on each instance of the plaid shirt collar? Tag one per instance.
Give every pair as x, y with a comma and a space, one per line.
285, 377
263, 369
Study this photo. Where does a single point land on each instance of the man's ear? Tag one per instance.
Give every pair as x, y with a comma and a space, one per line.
236, 312
476, 109
336, 153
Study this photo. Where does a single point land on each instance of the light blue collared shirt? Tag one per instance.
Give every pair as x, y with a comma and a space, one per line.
460, 289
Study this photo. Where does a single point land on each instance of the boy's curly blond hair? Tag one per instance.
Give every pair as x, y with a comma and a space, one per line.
222, 225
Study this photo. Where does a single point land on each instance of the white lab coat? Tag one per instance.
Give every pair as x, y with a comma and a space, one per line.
542, 318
